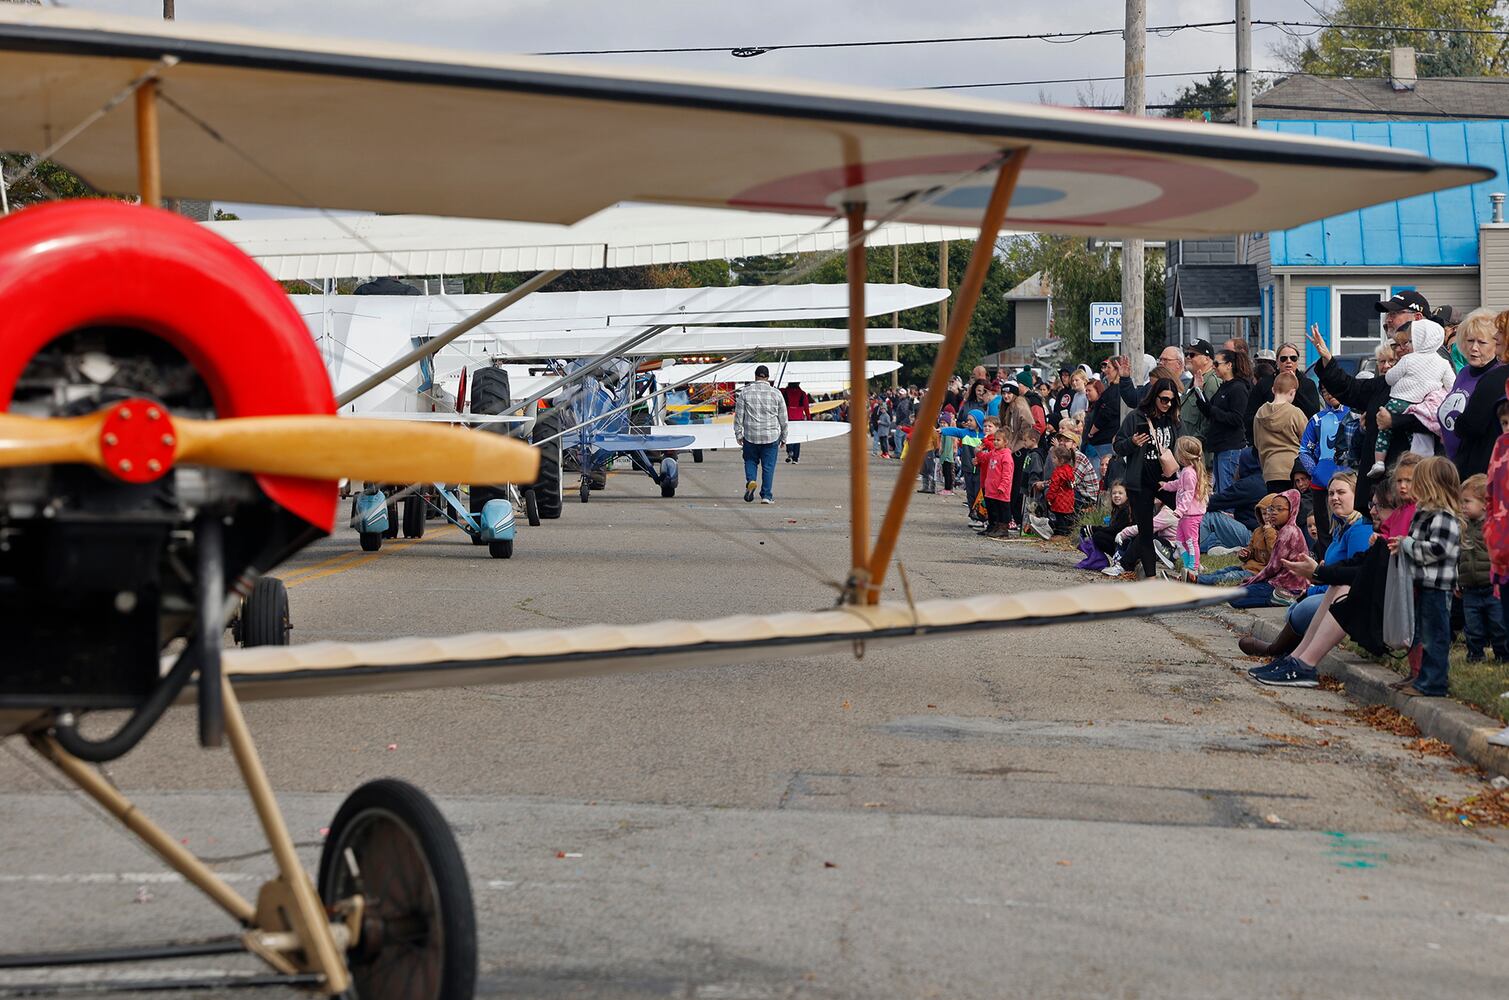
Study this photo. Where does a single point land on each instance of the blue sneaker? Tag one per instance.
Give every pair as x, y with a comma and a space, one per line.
1266, 667
1289, 673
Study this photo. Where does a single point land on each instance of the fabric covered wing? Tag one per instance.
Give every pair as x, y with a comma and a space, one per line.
712, 437
671, 440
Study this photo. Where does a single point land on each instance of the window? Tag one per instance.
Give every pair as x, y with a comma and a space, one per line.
1356, 324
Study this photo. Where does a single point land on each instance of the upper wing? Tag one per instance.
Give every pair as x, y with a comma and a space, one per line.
338, 668
514, 137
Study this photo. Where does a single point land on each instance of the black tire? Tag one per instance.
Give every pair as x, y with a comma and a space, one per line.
547, 486
371, 540
419, 901
490, 391
585, 490
667, 490
501, 549
413, 517
697, 455
392, 529
264, 614
532, 508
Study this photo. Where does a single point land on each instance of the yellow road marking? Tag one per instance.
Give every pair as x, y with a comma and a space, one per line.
351, 560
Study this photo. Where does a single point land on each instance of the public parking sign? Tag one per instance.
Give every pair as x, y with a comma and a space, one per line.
1105, 322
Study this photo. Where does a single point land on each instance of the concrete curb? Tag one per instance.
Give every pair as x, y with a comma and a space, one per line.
1464, 729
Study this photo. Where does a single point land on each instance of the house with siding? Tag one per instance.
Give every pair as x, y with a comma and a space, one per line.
1447, 245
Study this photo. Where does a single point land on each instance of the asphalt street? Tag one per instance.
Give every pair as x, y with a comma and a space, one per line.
1101, 810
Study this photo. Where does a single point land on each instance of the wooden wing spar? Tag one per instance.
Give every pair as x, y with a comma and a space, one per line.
262, 117
341, 668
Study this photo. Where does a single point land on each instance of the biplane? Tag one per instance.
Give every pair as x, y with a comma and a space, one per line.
171, 433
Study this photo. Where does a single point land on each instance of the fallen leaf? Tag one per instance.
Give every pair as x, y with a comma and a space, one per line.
829, 864
1429, 746
845, 706
874, 805
1065, 864
1384, 718
932, 706
1273, 819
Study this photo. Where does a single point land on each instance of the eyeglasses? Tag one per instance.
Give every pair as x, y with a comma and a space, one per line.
1166, 399
1288, 357
1188, 356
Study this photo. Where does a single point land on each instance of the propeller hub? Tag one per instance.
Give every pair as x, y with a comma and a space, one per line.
137, 441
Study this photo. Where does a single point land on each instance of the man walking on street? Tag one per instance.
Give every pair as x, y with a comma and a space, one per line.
760, 427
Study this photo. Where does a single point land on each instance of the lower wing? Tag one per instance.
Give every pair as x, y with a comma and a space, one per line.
664, 438
711, 437
340, 668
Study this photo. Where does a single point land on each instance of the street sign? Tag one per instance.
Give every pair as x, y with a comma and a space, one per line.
1105, 322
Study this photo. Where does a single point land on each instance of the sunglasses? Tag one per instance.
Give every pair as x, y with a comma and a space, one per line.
1166, 399
1288, 357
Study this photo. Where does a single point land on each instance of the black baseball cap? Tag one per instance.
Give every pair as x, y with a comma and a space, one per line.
1201, 347
1404, 302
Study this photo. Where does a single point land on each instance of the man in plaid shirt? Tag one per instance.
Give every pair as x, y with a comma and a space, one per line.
760, 426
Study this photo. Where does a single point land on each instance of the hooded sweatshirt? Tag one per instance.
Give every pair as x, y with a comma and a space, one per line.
1278, 429
1328, 440
1289, 544
1421, 371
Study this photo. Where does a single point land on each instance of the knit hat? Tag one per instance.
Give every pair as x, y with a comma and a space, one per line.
1303, 463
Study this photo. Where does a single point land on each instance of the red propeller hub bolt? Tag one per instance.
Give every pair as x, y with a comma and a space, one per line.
138, 451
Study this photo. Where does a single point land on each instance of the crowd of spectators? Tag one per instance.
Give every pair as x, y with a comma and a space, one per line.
1307, 481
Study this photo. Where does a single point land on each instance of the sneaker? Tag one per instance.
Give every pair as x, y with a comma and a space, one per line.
1220, 550
945, 493
1264, 668
788, 459
1500, 738
766, 500
1376, 472
749, 491
1165, 553
1113, 570
1039, 526
1290, 673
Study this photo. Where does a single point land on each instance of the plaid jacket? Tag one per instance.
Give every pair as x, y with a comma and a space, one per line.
1432, 546
759, 414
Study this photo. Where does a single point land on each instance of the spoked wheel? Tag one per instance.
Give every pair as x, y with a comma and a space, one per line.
419, 933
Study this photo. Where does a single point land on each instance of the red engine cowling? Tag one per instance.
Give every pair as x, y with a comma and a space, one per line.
71, 265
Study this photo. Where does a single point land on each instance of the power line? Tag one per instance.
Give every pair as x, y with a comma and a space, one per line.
1071, 79
749, 51
1386, 27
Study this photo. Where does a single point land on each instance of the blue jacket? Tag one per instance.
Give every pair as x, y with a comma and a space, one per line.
1352, 542
1328, 440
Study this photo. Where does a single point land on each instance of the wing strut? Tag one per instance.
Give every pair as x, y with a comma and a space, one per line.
148, 149
859, 410
943, 368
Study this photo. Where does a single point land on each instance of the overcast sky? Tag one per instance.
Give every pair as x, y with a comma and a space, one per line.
546, 25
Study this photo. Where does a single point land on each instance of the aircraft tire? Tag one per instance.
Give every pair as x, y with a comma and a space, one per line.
585, 490
547, 488
667, 490
392, 529
501, 549
401, 842
371, 540
697, 455
413, 517
264, 614
532, 508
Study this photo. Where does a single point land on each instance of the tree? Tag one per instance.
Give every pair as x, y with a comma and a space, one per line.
1195, 100
1356, 52
1081, 275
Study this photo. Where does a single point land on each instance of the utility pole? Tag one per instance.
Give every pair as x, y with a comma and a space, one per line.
167, 10
1134, 102
896, 316
1244, 90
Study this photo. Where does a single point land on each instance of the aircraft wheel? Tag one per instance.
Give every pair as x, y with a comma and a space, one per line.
419, 931
264, 614
547, 488
392, 530
531, 508
371, 540
667, 490
697, 455
502, 549
413, 517
586, 490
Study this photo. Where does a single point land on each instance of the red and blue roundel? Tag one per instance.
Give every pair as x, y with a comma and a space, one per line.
1069, 189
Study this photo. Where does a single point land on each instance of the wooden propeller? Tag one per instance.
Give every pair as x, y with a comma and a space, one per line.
138, 441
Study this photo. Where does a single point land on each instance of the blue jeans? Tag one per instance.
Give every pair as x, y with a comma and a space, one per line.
1483, 623
794, 452
1259, 595
1217, 528
763, 456
1433, 632
1302, 613
1226, 469
1221, 577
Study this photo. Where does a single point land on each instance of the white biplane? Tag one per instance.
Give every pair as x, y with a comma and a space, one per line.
171, 430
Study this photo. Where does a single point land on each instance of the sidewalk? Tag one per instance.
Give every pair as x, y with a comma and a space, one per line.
1464, 729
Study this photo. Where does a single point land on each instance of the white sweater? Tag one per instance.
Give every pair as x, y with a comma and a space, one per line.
1416, 376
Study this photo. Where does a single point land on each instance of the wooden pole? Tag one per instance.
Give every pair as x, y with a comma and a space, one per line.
148, 151
1134, 103
895, 316
859, 406
943, 369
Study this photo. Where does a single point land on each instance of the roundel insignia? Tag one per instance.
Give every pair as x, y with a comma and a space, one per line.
1071, 189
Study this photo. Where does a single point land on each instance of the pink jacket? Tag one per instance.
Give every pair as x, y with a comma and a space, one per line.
999, 468
1290, 544
1186, 501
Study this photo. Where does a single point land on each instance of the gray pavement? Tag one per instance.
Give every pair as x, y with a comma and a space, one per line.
1095, 810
